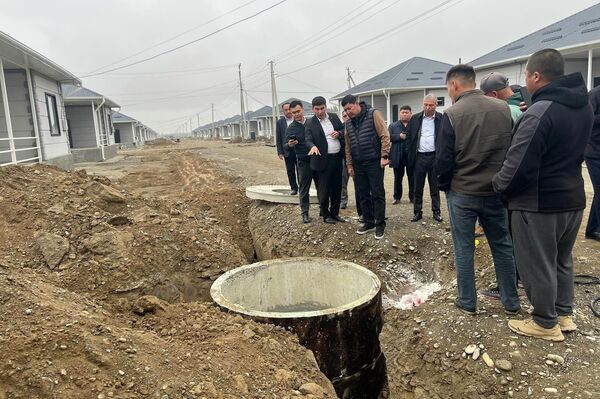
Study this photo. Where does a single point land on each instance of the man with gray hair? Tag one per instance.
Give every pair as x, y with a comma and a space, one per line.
424, 128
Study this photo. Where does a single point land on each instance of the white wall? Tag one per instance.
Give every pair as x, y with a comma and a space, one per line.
52, 146
81, 124
126, 132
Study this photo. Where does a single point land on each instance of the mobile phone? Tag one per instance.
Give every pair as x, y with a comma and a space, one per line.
526, 96
292, 138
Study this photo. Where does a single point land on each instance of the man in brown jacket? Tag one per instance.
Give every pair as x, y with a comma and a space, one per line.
474, 138
367, 155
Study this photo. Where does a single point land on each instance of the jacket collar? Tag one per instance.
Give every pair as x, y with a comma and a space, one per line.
468, 93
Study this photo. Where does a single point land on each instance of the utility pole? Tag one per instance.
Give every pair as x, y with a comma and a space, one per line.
350, 79
243, 110
212, 133
248, 108
275, 108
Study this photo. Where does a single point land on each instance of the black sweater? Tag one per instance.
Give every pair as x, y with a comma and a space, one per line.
593, 148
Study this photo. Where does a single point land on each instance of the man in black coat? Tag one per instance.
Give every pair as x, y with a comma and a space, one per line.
282, 152
592, 160
295, 140
423, 133
327, 148
399, 154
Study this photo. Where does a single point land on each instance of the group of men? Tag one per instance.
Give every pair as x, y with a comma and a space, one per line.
514, 168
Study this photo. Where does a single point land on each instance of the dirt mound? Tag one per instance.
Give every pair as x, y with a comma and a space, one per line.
161, 141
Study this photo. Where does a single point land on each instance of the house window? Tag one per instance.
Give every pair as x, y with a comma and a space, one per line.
441, 101
52, 109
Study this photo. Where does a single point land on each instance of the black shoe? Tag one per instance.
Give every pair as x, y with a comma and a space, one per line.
343, 206
361, 219
466, 311
330, 220
365, 228
379, 232
396, 202
593, 236
339, 219
418, 216
437, 217
294, 192
305, 218
411, 198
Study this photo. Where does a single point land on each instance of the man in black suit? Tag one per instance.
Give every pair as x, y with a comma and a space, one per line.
282, 152
295, 140
326, 145
399, 154
424, 128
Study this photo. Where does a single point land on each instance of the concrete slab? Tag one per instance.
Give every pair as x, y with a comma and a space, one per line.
277, 194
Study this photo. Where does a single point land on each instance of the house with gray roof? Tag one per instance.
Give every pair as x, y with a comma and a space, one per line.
129, 132
405, 84
89, 119
33, 126
577, 37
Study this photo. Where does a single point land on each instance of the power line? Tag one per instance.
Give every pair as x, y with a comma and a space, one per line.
425, 15
188, 43
176, 36
184, 72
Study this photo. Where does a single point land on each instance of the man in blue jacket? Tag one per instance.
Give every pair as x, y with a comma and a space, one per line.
541, 180
399, 154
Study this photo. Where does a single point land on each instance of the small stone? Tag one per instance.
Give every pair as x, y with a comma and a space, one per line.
121, 372
503, 364
549, 362
551, 390
436, 345
470, 349
487, 360
28, 311
476, 353
511, 394
63, 372
513, 344
312, 389
556, 358
503, 381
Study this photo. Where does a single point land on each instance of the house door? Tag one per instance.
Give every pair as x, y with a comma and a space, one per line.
117, 136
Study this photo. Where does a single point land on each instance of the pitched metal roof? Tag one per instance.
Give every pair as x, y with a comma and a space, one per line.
72, 94
578, 29
118, 117
263, 112
414, 73
16, 54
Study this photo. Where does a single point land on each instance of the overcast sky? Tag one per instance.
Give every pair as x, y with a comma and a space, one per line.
85, 36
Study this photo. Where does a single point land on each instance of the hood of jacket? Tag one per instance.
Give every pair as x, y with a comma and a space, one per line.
569, 90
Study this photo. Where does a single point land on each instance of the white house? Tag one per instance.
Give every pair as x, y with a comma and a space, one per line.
33, 125
127, 130
89, 117
577, 37
404, 84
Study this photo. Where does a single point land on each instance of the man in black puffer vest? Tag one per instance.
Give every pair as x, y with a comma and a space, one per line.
367, 155
542, 181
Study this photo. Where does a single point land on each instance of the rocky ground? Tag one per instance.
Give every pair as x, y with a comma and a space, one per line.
104, 279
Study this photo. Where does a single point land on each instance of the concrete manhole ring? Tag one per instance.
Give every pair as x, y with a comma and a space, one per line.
277, 194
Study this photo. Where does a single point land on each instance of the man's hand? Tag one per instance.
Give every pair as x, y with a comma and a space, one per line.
314, 151
384, 162
523, 106
402, 136
350, 171
280, 157
292, 143
335, 134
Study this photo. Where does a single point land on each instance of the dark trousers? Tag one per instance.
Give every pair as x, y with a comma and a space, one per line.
368, 176
399, 176
345, 179
425, 167
291, 168
593, 224
305, 177
543, 245
329, 188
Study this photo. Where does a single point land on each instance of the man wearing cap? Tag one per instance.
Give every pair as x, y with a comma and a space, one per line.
496, 85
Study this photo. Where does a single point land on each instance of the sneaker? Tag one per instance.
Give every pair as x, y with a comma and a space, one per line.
464, 310
294, 192
379, 232
365, 228
396, 202
530, 328
491, 294
566, 324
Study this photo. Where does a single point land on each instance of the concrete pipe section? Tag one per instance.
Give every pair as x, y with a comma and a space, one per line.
333, 306
277, 194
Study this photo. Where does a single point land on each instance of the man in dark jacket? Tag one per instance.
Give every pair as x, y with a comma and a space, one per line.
542, 182
592, 160
367, 155
282, 152
474, 138
295, 140
399, 154
424, 128
326, 145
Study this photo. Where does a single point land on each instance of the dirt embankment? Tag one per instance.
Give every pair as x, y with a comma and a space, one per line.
96, 278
